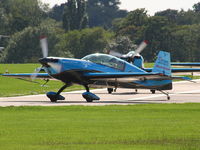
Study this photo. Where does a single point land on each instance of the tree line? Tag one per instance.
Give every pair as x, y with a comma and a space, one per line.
79, 27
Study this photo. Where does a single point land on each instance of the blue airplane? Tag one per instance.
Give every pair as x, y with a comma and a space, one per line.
105, 71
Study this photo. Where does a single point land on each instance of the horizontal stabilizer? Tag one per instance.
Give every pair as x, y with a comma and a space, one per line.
186, 64
177, 70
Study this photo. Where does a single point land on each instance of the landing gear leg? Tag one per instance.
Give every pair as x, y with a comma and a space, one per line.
53, 96
87, 88
46, 81
167, 94
89, 97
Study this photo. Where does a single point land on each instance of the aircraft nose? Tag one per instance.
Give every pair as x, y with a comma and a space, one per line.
43, 61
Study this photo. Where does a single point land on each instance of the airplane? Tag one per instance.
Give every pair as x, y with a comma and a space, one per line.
105, 71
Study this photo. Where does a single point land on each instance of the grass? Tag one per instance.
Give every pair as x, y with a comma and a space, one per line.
136, 127
16, 87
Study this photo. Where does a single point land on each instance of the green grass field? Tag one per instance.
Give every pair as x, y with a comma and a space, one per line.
16, 87
136, 127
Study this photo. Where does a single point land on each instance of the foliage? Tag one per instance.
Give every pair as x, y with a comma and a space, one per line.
81, 43
74, 15
121, 44
170, 14
102, 12
24, 46
22, 13
186, 43
25, 20
132, 25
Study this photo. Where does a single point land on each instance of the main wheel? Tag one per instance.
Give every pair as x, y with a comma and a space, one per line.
53, 100
110, 90
89, 100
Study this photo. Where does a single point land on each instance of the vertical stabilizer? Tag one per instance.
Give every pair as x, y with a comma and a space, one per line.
163, 63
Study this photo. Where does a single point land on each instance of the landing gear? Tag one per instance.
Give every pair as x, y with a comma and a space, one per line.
136, 90
167, 94
53, 96
110, 90
89, 97
153, 91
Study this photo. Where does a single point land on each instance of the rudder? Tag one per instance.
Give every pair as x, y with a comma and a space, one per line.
163, 64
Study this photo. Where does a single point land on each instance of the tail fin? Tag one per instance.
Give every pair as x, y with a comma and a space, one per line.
163, 63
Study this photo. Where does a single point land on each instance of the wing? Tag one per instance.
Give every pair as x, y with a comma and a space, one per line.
178, 70
185, 64
130, 76
27, 75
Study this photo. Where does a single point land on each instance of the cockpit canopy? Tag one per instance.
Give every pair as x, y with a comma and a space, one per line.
106, 60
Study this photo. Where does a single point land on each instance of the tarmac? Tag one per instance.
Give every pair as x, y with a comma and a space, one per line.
183, 92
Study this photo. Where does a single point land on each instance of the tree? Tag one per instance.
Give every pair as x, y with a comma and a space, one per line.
158, 33
57, 12
133, 25
196, 7
170, 14
74, 16
23, 13
186, 43
24, 46
83, 42
121, 44
103, 12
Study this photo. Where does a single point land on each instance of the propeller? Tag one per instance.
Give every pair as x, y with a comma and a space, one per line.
131, 54
44, 46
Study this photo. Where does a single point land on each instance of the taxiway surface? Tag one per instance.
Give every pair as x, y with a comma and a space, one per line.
183, 92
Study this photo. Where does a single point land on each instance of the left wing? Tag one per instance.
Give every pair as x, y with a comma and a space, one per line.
27, 75
178, 70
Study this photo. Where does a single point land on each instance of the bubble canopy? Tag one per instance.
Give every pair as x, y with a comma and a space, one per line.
106, 60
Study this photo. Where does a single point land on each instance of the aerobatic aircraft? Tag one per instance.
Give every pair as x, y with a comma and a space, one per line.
105, 71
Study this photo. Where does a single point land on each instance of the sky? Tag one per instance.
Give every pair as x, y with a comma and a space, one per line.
151, 6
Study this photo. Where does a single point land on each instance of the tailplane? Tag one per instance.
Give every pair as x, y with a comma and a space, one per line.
163, 64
